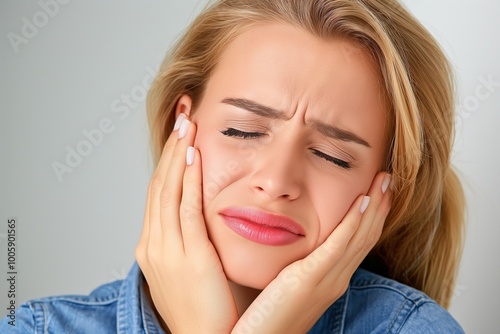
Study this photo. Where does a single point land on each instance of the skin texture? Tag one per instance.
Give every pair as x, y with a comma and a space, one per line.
202, 276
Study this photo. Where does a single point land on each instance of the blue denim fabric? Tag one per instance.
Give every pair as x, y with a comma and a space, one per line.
375, 304
372, 304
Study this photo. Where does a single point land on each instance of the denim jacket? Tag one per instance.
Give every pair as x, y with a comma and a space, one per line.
371, 304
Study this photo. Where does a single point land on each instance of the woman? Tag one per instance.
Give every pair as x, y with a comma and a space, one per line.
293, 140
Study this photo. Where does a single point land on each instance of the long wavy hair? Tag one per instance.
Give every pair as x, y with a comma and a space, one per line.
422, 240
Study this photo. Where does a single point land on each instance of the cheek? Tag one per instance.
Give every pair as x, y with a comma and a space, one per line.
220, 163
333, 201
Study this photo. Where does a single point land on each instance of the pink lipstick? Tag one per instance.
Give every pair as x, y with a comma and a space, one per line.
261, 227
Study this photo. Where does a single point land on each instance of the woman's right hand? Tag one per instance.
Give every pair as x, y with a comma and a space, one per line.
184, 274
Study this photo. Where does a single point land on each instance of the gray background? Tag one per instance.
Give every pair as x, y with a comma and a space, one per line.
79, 232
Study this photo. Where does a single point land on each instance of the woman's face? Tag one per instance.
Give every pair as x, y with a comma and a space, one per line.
289, 125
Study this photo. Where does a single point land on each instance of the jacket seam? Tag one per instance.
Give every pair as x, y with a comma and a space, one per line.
45, 322
45, 301
417, 301
399, 313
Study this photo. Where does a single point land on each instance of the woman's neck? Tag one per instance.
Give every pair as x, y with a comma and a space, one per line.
243, 296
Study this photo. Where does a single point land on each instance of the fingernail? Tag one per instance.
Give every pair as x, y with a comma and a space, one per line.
184, 128
178, 122
364, 204
385, 184
190, 155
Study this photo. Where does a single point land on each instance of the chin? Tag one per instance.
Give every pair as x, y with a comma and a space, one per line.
248, 275
253, 265
248, 263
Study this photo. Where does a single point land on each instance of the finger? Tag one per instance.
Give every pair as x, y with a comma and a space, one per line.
152, 194
194, 232
377, 226
385, 205
171, 193
141, 248
371, 225
332, 250
166, 155
365, 237
146, 223
152, 219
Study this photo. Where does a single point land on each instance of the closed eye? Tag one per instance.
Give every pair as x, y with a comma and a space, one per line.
340, 163
232, 132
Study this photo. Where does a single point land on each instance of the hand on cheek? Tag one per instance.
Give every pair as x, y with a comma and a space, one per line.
184, 274
305, 289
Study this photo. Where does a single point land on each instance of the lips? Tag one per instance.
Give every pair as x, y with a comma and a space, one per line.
262, 227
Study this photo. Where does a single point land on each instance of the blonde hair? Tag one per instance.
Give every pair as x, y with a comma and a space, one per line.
422, 239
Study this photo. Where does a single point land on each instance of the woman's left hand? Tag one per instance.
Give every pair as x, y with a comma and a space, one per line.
295, 300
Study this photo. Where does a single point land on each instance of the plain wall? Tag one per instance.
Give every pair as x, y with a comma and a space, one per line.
87, 66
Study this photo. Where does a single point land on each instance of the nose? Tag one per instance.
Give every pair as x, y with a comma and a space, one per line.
277, 172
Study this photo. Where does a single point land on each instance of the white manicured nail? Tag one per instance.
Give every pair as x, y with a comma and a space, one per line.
385, 184
184, 128
364, 204
190, 155
178, 122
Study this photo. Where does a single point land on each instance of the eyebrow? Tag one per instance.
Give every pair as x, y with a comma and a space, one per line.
256, 108
268, 112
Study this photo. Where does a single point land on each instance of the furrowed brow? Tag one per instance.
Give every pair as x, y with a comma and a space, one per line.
268, 112
256, 108
338, 133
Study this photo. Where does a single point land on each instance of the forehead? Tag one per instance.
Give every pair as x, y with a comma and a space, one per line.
289, 69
